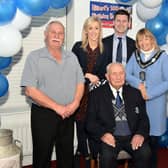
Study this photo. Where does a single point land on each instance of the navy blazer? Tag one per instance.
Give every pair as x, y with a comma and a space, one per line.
108, 47
99, 68
100, 115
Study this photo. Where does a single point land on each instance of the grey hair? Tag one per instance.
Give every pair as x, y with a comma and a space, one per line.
109, 66
54, 22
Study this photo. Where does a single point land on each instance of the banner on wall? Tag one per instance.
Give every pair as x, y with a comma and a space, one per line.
105, 11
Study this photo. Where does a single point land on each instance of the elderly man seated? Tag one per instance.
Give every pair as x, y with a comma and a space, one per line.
117, 118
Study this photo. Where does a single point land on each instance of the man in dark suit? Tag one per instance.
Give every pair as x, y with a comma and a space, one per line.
117, 118
122, 22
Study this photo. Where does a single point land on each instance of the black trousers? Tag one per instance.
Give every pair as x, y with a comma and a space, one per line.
108, 154
154, 148
86, 145
49, 130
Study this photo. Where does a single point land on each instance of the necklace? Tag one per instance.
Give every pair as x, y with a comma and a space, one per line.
150, 61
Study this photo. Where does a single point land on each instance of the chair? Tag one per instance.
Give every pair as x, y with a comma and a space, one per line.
123, 155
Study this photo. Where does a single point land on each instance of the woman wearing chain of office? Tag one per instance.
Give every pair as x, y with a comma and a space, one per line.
147, 71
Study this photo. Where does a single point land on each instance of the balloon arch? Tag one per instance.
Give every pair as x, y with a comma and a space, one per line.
15, 15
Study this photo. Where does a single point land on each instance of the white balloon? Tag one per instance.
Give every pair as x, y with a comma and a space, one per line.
21, 20
164, 47
167, 39
10, 41
131, 2
145, 13
151, 3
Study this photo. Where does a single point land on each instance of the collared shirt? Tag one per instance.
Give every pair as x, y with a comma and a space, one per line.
56, 80
124, 49
114, 91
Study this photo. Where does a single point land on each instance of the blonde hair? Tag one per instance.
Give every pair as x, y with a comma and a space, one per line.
145, 32
88, 22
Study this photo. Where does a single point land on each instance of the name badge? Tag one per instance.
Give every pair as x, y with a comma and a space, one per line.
142, 76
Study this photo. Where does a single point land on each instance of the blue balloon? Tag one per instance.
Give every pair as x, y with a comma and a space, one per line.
161, 39
165, 2
163, 14
126, 2
56, 4
163, 140
3, 85
7, 11
5, 62
156, 26
33, 7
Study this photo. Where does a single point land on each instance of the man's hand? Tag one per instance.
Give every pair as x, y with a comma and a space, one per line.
137, 141
109, 139
71, 108
60, 110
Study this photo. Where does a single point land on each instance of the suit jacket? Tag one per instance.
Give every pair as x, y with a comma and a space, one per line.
108, 47
101, 62
100, 117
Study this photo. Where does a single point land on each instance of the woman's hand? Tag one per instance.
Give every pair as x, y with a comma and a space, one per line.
93, 78
143, 91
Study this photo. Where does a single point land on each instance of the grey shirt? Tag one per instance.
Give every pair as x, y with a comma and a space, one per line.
56, 80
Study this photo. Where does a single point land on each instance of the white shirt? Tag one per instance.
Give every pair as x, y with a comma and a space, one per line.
115, 91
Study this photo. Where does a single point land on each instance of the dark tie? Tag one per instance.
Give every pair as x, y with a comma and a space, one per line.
119, 51
118, 100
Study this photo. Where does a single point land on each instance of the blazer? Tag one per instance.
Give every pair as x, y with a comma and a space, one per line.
100, 117
108, 47
99, 68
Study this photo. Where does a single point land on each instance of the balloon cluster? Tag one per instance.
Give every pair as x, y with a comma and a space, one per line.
15, 16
